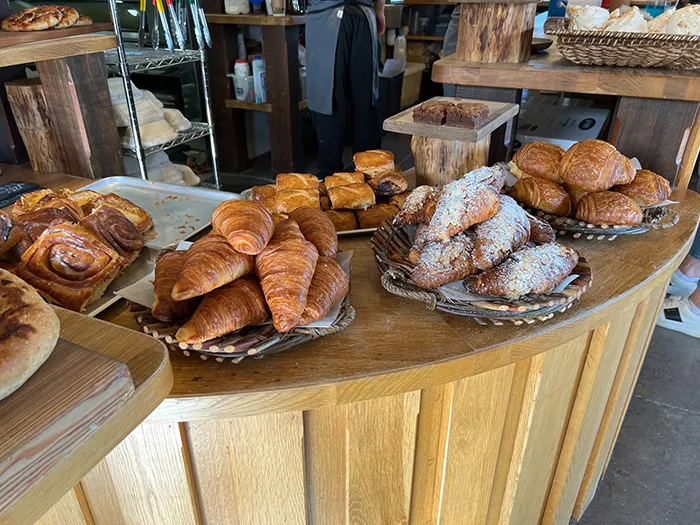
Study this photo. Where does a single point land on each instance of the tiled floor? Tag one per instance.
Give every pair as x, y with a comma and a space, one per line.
654, 474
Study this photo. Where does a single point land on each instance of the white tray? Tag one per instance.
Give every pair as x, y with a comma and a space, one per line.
178, 211
248, 194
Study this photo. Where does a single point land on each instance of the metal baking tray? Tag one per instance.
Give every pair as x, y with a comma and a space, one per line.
248, 194
178, 212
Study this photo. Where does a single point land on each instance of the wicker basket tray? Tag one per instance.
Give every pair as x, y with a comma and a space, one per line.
601, 48
391, 246
657, 218
251, 341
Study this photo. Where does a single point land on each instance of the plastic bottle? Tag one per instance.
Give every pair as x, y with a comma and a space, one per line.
259, 80
400, 47
241, 68
240, 41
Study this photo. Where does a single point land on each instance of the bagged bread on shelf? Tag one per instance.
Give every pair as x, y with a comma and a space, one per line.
117, 93
146, 111
176, 119
152, 134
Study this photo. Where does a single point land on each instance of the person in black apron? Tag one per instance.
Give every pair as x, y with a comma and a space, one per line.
341, 76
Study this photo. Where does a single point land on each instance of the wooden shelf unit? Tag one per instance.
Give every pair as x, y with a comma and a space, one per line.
252, 106
55, 48
257, 20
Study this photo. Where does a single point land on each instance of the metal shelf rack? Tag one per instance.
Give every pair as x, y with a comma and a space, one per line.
126, 59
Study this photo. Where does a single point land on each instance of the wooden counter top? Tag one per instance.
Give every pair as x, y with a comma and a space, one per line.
550, 71
395, 344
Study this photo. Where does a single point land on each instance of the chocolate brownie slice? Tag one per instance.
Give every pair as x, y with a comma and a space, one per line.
431, 112
467, 115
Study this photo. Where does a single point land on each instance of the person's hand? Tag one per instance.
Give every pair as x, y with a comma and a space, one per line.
381, 23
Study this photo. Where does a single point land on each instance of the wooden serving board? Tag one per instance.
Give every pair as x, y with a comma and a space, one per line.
499, 112
54, 412
11, 38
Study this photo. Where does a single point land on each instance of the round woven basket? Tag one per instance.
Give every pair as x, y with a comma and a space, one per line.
252, 341
391, 246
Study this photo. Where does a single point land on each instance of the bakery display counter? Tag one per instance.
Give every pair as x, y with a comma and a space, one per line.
407, 416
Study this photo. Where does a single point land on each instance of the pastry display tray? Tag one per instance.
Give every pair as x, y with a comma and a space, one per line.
178, 211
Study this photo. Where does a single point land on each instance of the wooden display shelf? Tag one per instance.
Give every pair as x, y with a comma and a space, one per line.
252, 106
425, 37
54, 48
552, 72
257, 20
63, 462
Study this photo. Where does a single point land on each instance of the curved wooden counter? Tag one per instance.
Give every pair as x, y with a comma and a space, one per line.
407, 417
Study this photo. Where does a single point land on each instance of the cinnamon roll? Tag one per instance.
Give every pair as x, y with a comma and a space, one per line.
137, 215
69, 266
9, 233
111, 227
35, 222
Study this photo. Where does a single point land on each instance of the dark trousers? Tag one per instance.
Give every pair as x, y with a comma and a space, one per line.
352, 96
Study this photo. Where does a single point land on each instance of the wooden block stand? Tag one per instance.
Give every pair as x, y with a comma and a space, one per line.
445, 153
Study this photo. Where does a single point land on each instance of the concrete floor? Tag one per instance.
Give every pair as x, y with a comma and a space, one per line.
654, 474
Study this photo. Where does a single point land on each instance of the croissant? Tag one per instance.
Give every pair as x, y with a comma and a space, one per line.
318, 229
541, 232
535, 270
575, 193
225, 310
444, 262
165, 308
419, 240
10, 234
460, 205
246, 225
608, 207
70, 266
647, 189
388, 183
110, 226
328, 286
493, 176
496, 238
542, 194
595, 165
211, 262
137, 215
285, 268
419, 206
537, 159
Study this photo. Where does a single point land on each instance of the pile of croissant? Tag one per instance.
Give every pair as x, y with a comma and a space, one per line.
248, 267
70, 245
364, 198
468, 230
591, 181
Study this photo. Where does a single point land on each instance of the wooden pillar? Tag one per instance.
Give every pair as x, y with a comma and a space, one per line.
281, 50
80, 108
28, 104
439, 161
662, 134
496, 32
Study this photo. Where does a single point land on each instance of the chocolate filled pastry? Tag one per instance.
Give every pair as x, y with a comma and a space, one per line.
418, 207
318, 229
496, 238
328, 286
388, 183
608, 207
69, 266
373, 217
647, 189
374, 161
137, 215
246, 225
297, 181
10, 234
537, 159
352, 197
460, 205
541, 232
286, 201
211, 263
595, 165
575, 193
444, 262
285, 268
225, 310
342, 220
535, 270
343, 179
165, 308
542, 194
111, 226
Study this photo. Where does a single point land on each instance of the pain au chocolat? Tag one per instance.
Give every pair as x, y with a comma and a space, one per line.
595, 165
537, 159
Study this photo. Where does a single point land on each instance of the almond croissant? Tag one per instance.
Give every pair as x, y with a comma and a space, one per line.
285, 268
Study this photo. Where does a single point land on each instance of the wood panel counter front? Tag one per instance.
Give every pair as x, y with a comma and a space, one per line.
407, 417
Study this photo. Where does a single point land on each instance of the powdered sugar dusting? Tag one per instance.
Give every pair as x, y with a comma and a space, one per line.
531, 270
500, 235
411, 212
461, 204
444, 262
493, 176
